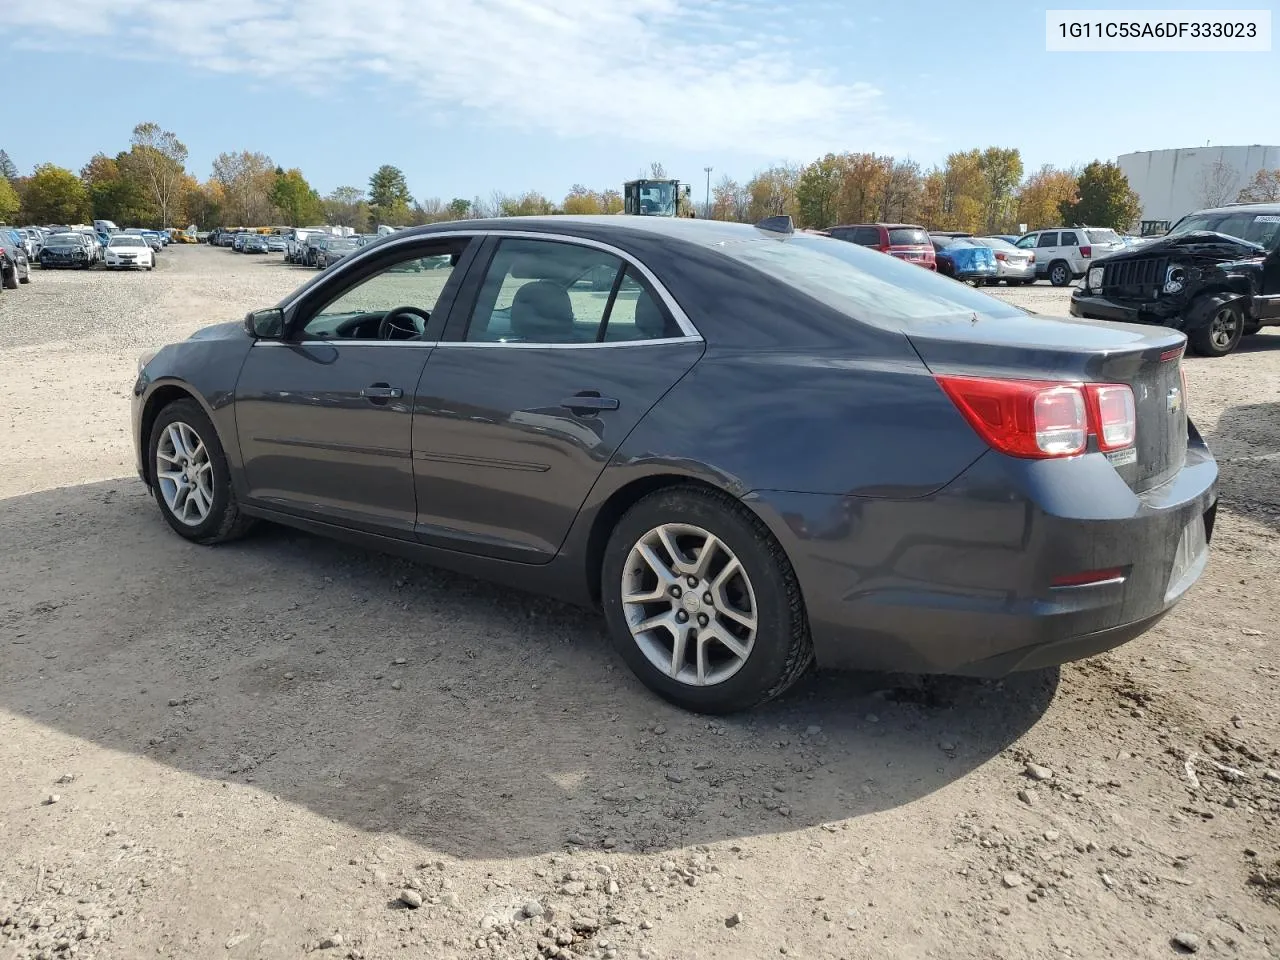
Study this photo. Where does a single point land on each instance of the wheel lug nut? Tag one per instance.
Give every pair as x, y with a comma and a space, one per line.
707, 598
676, 591
681, 616
702, 620
692, 581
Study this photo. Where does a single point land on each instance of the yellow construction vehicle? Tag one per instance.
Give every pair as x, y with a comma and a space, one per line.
657, 198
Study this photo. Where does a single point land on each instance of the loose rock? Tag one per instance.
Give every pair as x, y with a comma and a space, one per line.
1186, 942
733, 921
1036, 772
330, 942
411, 898
1011, 880
533, 909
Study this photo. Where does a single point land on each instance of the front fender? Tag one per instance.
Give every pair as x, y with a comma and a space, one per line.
1206, 305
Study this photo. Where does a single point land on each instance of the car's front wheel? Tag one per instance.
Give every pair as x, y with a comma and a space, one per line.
702, 602
190, 478
1221, 334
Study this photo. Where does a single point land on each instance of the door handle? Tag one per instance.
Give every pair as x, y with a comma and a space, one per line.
381, 391
583, 402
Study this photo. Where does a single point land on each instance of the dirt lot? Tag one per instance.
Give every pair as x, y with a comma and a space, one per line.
250, 751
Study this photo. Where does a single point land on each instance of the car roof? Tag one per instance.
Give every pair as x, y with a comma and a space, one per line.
1239, 208
706, 233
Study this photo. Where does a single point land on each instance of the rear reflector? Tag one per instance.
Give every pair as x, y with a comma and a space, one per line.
1040, 419
1088, 578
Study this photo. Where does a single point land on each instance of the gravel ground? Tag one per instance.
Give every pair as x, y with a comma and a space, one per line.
288, 745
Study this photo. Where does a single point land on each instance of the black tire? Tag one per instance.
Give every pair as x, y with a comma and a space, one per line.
1221, 334
9, 279
782, 651
224, 520
1060, 274
26, 277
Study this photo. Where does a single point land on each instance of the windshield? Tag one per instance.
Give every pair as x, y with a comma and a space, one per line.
1260, 228
342, 244
947, 242
1103, 236
658, 199
863, 283
120, 240
64, 238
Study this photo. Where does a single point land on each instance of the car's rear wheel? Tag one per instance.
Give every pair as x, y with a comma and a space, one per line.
190, 478
1221, 334
1060, 273
702, 602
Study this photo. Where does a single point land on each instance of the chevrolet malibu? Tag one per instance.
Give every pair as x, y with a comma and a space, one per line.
755, 449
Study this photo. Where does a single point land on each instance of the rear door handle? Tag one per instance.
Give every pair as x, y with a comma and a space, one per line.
589, 401
381, 391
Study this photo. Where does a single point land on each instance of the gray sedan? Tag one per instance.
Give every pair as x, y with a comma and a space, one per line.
754, 449
1013, 265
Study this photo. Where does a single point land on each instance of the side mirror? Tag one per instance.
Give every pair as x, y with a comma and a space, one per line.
265, 324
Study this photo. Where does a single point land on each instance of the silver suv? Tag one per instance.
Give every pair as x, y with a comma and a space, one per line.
1063, 254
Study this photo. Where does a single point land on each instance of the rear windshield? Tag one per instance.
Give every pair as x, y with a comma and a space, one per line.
905, 235
1103, 236
1259, 228
863, 283
995, 243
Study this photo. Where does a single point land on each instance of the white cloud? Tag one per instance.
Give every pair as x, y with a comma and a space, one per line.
696, 74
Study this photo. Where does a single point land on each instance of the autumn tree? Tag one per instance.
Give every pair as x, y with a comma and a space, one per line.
347, 207
772, 192
1001, 173
459, 208
729, 200
1104, 199
864, 177
389, 195
1219, 182
579, 200
117, 190
900, 202
1264, 188
8, 170
53, 194
964, 193
818, 191
529, 204
247, 180
1043, 195
611, 201
204, 203
295, 198
162, 158
9, 202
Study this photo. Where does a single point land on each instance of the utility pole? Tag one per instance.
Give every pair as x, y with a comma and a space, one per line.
707, 215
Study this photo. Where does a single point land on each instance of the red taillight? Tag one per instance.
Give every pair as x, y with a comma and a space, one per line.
1086, 251
1115, 414
1040, 419
1000, 255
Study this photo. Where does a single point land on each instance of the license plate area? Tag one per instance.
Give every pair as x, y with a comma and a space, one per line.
1187, 558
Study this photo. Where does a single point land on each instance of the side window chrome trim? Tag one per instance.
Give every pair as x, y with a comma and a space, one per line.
340, 342
471, 344
681, 318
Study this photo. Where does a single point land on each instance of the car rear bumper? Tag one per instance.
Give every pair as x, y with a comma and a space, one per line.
961, 581
1009, 271
976, 273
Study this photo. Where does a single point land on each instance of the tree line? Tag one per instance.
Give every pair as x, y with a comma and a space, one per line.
976, 191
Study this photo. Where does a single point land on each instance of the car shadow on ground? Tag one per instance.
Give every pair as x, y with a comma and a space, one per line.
396, 698
1246, 444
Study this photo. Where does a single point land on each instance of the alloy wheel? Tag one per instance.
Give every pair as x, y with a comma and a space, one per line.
689, 604
184, 474
1222, 328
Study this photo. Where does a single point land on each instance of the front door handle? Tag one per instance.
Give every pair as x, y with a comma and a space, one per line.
381, 391
584, 402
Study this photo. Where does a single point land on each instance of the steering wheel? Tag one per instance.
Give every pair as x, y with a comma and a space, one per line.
403, 323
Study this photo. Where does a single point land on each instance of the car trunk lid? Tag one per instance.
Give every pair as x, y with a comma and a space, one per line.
1147, 359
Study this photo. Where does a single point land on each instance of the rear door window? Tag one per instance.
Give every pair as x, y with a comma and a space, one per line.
1049, 239
1102, 236
1069, 239
908, 236
867, 236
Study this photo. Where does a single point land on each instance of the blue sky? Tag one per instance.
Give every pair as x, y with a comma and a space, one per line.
471, 96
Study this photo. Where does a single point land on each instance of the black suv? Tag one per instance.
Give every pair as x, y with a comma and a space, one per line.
1215, 276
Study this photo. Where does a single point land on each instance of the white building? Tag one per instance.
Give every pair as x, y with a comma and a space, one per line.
1173, 183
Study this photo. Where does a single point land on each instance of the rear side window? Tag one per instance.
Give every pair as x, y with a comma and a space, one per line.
1102, 236
1047, 240
863, 284
867, 236
902, 236
1069, 239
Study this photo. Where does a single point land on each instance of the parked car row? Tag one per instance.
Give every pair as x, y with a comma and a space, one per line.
80, 247
317, 247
